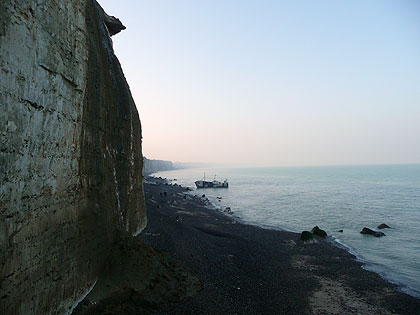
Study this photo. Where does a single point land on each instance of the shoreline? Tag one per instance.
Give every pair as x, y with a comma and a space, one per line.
387, 275
330, 279
371, 266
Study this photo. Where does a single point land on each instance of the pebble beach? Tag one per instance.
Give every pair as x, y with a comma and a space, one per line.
245, 269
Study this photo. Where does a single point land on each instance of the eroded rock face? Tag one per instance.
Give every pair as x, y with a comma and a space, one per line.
70, 154
113, 24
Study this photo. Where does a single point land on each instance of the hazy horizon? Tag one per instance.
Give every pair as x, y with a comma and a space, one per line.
274, 83
255, 165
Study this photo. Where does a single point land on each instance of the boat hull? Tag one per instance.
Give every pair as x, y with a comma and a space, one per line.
213, 184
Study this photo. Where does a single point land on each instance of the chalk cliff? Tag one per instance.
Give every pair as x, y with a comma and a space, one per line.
70, 153
153, 166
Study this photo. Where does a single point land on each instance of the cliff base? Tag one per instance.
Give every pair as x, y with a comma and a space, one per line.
138, 279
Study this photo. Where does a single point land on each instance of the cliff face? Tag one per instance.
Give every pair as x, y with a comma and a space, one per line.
152, 166
70, 154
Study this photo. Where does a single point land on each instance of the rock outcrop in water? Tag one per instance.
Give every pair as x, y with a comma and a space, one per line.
383, 226
368, 231
70, 153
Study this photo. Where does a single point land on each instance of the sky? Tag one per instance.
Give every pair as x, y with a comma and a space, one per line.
274, 83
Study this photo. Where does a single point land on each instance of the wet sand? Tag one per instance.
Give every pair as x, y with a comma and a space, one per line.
245, 269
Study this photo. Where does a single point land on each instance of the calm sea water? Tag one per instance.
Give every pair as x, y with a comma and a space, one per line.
335, 198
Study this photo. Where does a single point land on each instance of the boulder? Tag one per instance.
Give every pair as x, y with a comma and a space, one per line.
383, 226
306, 236
319, 232
368, 231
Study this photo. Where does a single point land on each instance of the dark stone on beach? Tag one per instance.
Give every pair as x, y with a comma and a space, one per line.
383, 226
203, 196
371, 232
306, 236
341, 231
319, 232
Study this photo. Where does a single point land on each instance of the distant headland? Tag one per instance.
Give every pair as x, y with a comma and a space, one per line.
152, 166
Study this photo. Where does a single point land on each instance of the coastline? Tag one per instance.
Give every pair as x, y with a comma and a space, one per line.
342, 201
246, 269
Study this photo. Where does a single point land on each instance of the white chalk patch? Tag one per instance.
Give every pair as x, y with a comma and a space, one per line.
81, 298
11, 126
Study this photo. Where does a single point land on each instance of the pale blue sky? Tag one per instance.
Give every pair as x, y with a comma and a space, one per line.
274, 82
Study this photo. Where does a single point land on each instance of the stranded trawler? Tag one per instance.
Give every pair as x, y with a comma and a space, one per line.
213, 184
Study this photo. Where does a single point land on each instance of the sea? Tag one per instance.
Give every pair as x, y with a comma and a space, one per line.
335, 198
